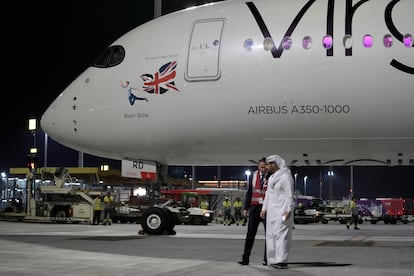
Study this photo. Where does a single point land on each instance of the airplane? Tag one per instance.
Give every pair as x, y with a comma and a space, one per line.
319, 82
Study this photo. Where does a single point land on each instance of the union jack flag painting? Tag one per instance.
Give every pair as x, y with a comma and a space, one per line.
162, 81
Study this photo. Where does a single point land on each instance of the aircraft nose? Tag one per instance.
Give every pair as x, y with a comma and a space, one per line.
48, 120
55, 121
58, 121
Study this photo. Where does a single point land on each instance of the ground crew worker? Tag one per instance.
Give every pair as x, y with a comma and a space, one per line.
227, 211
203, 204
301, 209
109, 209
19, 202
97, 210
354, 214
237, 205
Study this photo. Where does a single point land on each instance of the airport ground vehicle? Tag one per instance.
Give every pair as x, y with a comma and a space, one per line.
308, 209
190, 199
161, 218
388, 210
155, 215
305, 216
337, 210
53, 195
124, 213
409, 209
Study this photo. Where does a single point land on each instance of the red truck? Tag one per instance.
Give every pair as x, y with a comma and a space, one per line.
389, 210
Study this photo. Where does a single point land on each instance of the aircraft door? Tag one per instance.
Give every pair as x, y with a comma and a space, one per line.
203, 60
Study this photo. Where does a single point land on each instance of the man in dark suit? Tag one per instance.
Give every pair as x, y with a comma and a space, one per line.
252, 207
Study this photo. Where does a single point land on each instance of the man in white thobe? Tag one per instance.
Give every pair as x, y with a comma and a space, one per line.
277, 209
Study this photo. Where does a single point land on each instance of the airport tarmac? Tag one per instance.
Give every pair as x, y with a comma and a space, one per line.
317, 249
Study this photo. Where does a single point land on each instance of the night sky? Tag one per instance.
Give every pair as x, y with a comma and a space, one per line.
47, 44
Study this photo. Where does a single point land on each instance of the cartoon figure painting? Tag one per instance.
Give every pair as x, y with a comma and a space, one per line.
131, 96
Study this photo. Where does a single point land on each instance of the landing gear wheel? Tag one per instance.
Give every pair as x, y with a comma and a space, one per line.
60, 214
154, 221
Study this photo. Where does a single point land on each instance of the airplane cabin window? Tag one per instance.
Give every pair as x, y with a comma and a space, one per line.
347, 41
327, 42
287, 43
112, 56
248, 44
307, 42
408, 40
387, 41
267, 44
368, 41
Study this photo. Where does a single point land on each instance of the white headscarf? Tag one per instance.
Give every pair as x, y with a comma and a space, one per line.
278, 160
281, 164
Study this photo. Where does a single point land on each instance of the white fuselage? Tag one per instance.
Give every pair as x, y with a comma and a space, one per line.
226, 99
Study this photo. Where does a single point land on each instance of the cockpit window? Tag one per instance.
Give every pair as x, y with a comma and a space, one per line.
112, 56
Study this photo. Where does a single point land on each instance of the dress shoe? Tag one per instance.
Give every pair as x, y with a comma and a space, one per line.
243, 262
264, 263
280, 266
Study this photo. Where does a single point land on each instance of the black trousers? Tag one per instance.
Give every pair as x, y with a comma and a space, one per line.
108, 214
252, 225
237, 215
96, 216
354, 220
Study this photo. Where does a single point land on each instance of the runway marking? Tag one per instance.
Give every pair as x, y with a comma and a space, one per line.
358, 238
347, 243
214, 236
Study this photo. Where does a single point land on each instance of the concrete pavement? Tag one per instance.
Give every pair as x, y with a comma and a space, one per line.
317, 249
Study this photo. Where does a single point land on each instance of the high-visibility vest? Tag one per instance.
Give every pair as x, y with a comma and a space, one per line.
109, 202
238, 204
97, 204
354, 208
226, 204
258, 191
203, 204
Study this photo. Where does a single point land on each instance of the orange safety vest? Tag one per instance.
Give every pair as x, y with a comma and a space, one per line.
258, 192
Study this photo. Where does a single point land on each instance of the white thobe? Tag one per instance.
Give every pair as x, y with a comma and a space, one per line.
278, 200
